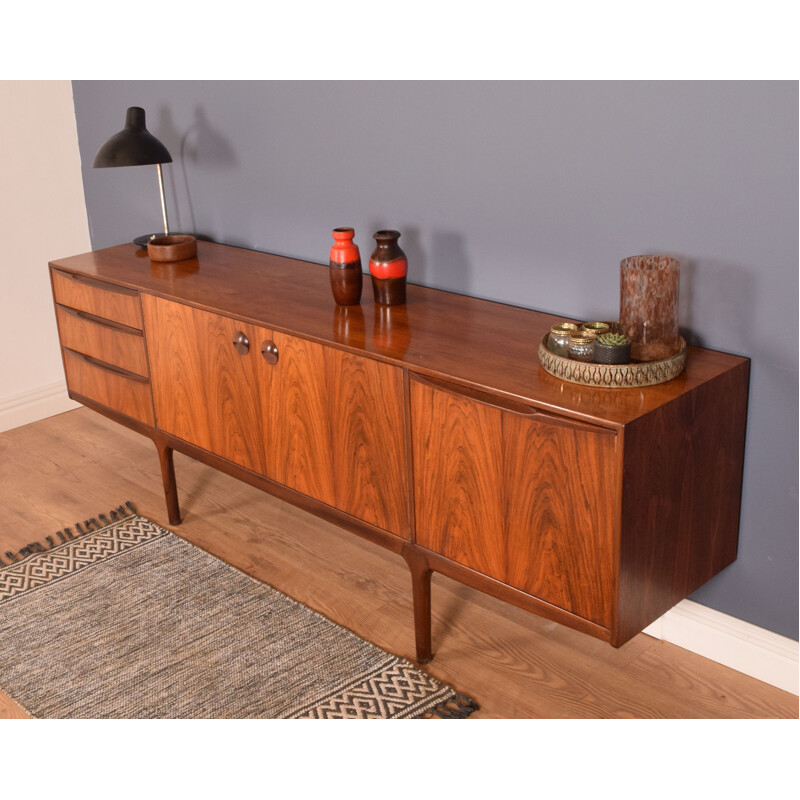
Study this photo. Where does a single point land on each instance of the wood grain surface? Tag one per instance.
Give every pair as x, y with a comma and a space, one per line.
514, 663
441, 334
94, 336
680, 498
127, 393
366, 409
296, 409
205, 392
459, 498
527, 502
323, 422
102, 299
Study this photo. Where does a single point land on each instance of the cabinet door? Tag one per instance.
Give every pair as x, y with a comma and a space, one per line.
526, 498
323, 422
299, 455
365, 402
207, 391
339, 436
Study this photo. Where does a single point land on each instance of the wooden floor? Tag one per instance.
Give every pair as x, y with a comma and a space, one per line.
513, 663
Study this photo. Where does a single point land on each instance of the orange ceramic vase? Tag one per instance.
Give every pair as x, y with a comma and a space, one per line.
345, 264
388, 267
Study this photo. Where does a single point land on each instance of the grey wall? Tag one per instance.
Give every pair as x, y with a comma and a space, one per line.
524, 192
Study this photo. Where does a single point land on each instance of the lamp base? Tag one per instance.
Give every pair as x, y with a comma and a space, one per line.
143, 240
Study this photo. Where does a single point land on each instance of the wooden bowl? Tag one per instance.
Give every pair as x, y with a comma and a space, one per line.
172, 248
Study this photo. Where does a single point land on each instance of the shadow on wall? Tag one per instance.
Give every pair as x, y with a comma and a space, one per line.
451, 266
718, 296
732, 288
686, 315
441, 263
199, 143
734, 291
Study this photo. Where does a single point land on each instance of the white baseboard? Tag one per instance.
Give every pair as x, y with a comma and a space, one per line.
34, 404
757, 652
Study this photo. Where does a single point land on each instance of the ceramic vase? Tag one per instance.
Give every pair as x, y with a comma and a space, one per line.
388, 267
345, 268
648, 306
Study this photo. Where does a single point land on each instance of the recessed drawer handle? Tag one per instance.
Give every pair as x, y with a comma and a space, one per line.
106, 323
97, 284
475, 394
95, 362
270, 351
241, 343
504, 404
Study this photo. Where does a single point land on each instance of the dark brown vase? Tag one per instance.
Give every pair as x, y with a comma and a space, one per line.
345, 264
388, 267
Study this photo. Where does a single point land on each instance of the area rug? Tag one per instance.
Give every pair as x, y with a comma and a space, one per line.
122, 619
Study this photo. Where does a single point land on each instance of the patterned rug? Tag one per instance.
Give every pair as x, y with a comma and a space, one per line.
122, 619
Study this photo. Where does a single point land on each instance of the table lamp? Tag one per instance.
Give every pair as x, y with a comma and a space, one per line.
135, 146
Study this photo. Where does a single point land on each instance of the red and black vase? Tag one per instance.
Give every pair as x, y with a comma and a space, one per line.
388, 267
345, 262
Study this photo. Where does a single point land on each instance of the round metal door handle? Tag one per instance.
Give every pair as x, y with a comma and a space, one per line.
270, 352
241, 343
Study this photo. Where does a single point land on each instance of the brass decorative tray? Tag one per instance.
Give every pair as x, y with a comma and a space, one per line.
612, 376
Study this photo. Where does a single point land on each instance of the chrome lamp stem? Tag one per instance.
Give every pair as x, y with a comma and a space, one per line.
163, 200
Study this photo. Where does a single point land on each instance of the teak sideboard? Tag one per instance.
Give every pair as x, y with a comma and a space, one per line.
428, 428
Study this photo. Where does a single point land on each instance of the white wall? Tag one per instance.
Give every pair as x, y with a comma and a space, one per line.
44, 215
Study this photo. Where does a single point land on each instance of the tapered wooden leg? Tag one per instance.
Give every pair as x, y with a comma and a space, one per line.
170, 484
421, 588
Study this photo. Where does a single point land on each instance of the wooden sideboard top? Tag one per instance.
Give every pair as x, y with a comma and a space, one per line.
478, 343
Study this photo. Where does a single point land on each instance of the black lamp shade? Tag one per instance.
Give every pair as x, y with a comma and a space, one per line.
133, 146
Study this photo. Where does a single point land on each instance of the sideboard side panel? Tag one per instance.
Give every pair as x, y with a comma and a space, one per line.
681, 494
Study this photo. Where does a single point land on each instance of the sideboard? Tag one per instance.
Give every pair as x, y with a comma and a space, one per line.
429, 428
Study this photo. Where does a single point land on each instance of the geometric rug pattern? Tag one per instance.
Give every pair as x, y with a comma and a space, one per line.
125, 620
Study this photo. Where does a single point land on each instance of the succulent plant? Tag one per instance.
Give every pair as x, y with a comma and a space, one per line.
613, 339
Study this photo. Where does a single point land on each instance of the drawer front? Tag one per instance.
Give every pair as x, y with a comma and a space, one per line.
107, 341
98, 298
124, 392
524, 497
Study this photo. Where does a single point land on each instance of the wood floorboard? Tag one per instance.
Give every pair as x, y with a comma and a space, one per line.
516, 665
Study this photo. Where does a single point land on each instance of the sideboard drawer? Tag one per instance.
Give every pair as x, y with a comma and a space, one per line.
106, 384
98, 298
102, 339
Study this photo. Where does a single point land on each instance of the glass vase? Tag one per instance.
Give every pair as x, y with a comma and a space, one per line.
648, 306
